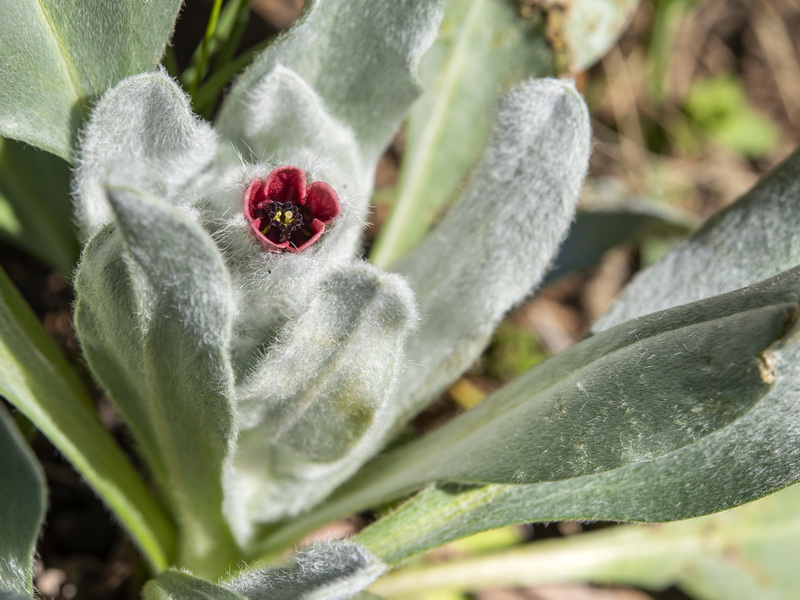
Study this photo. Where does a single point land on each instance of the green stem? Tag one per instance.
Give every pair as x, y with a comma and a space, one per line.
205, 98
241, 16
211, 27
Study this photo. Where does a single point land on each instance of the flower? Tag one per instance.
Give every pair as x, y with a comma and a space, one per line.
284, 214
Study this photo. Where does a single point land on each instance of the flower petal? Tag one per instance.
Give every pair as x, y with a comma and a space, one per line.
322, 202
257, 192
286, 184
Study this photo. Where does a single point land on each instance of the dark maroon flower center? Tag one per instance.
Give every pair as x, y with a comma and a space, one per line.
279, 220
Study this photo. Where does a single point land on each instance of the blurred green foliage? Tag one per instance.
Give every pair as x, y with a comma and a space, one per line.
514, 350
720, 108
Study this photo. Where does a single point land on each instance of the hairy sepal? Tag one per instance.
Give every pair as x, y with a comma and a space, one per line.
145, 119
495, 244
153, 315
319, 402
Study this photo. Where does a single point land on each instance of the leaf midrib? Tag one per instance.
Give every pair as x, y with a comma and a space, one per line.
66, 58
389, 247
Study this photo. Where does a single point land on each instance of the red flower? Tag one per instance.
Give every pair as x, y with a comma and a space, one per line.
284, 214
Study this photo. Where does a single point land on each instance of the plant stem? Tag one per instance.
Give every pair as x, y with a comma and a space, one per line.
211, 27
235, 30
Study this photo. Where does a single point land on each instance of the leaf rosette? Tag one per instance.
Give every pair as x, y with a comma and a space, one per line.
221, 301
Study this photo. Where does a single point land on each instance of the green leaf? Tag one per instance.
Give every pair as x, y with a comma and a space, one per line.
745, 553
318, 403
355, 63
751, 240
600, 225
717, 465
494, 245
57, 56
144, 120
38, 381
35, 207
483, 49
22, 508
153, 316
635, 393
177, 585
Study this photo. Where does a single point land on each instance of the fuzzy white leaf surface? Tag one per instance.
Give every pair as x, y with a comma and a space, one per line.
326, 571
147, 120
318, 403
153, 316
357, 60
493, 247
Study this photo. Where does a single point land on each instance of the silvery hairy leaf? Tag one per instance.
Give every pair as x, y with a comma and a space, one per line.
317, 404
153, 316
325, 571
144, 120
484, 47
494, 246
448, 127
359, 59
